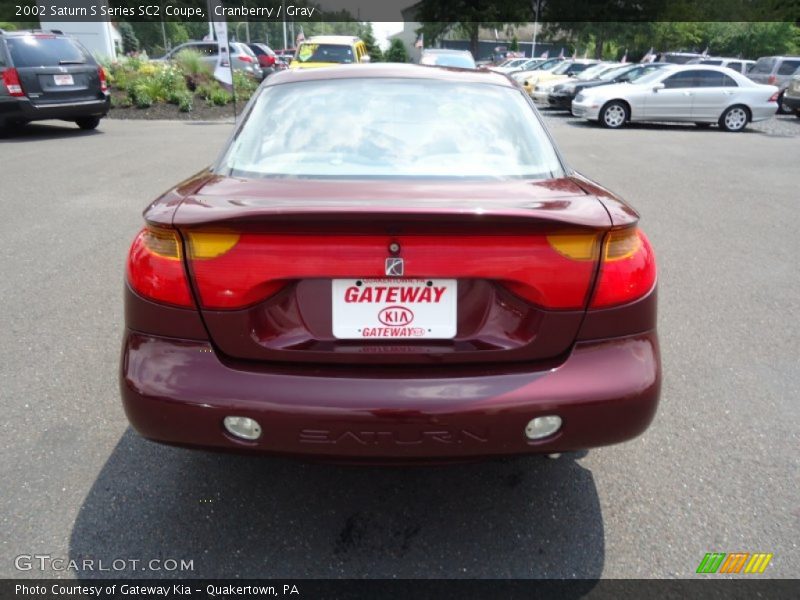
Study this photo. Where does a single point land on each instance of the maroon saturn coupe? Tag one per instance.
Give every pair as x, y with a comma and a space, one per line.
390, 263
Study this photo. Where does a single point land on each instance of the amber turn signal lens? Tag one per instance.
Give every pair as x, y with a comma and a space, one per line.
207, 244
580, 246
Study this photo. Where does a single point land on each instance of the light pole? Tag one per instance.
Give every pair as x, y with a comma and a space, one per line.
537, 6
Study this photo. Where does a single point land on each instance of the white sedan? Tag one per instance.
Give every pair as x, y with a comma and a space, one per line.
694, 93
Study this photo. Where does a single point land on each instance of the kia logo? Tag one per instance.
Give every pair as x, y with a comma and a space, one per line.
394, 316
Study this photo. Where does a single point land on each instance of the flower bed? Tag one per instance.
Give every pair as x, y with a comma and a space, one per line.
183, 88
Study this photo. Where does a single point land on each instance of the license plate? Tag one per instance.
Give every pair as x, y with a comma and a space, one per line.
380, 309
63, 80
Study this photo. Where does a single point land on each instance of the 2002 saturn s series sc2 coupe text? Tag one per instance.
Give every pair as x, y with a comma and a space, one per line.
377, 268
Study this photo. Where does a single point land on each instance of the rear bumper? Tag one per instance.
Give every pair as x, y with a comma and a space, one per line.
24, 110
793, 102
179, 391
762, 112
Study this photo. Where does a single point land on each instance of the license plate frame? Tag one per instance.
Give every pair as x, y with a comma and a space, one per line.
394, 309
63, 80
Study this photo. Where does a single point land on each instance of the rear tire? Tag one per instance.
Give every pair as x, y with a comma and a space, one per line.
614, 115
735, 118
88, 123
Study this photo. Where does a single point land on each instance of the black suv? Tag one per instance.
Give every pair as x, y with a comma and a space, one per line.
48, 75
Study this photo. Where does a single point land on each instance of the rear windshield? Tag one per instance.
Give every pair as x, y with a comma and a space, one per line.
764, 65
448, 60
391, 128
334, 53
45, 51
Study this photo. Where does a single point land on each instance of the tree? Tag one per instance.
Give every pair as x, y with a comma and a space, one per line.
130, 43
438, 17
373, 49
396, 52
514, 47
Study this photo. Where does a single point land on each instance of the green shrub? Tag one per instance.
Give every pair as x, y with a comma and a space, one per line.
219, 97
121, 101
190, 63
140, 96
185, 101
244, 86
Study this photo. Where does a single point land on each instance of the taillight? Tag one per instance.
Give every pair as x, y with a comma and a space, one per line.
232, 271
772, 79
245, 58
12, 83
627, 268
270, 60
101, 73
774, 97
155, 267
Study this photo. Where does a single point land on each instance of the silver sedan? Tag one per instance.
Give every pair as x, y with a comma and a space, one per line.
692, 93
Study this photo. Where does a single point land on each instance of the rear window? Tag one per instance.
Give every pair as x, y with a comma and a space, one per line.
763, 66
448, 60
788, 67
45, 51
336, 53
391, 128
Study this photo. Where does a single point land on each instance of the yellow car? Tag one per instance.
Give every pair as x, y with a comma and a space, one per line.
327, 50
567, 69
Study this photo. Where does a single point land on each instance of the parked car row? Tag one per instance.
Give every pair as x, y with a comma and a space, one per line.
698, 94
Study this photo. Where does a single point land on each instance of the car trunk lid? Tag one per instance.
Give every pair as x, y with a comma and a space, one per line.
275, 263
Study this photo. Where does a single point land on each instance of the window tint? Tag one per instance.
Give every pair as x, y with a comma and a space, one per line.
764, 65
713, 79
788, 67
45, 51
577, 68
330, 53
684, 79
736, 66
715, 63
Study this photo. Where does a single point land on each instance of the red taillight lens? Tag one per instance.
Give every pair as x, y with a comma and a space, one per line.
270, 60
627, 270
772, 79
232, 271
101, 73
245, 58
12, 83
155, 267
774, 97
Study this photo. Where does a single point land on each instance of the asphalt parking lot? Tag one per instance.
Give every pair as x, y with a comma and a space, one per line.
717, 471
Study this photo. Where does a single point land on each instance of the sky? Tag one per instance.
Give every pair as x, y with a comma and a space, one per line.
383, 30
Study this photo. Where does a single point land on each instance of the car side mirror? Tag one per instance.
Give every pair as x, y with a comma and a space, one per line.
658, 86
366, 58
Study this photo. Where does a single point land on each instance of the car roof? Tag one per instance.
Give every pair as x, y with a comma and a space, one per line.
447, 51
21, 32
332, 39
390, 71
677, 68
